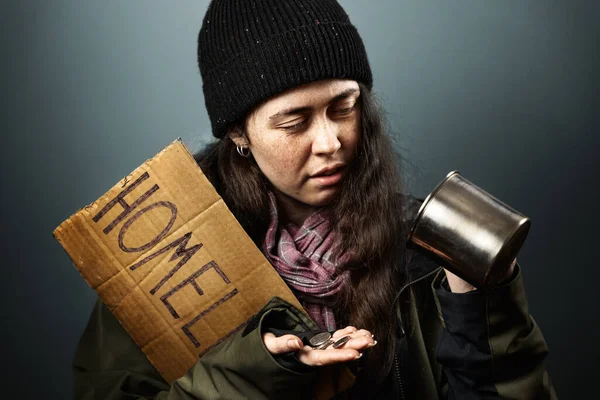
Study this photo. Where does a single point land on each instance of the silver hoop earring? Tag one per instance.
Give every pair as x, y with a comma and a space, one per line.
243, 151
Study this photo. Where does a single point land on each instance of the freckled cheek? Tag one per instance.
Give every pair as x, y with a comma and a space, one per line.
283, 168
289, 166
351, 137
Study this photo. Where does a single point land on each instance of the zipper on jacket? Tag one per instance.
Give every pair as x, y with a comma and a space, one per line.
400, 387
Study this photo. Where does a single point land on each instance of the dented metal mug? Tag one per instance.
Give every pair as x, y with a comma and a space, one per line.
468, 231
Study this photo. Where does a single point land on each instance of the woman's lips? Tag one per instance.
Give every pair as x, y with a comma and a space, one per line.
329, 180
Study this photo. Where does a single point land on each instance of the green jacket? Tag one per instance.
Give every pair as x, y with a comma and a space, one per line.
478, 345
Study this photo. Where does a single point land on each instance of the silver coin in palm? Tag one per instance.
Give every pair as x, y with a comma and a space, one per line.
341, 341
320, 339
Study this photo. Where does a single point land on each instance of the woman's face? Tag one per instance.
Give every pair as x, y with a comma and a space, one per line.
305, 139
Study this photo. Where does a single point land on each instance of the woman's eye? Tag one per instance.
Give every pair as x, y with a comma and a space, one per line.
294, 127
344, 111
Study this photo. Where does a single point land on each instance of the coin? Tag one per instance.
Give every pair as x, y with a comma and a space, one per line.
325, 345
341, 341
319, 339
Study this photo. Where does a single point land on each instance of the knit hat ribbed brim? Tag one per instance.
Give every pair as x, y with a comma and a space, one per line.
249, 51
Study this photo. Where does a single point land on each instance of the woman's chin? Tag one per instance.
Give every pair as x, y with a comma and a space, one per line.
313, 198
323, 197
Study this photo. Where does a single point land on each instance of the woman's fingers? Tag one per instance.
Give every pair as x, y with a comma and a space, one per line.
343, 332
310, 356
282, 344
350, 330
359, 340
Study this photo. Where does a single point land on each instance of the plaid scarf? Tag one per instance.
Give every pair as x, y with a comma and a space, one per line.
303, 258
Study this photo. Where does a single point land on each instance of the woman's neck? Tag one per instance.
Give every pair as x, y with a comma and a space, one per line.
293, 210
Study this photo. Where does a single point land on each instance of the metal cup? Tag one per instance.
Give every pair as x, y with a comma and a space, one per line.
468, 231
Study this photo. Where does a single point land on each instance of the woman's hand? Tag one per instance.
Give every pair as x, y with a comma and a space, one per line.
359, 340
458, 285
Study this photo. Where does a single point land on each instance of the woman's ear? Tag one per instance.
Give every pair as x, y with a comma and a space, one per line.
238, 136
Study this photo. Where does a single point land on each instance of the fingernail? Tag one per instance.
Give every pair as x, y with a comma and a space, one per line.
358, 356
373, 344
293, 344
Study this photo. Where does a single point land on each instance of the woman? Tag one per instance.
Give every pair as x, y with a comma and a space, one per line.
304, 164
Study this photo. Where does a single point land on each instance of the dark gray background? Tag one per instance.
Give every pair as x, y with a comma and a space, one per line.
506, 92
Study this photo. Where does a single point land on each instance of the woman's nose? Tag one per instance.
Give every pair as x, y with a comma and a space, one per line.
326, 140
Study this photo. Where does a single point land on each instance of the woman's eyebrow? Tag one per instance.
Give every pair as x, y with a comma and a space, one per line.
289, 111
344, 94
298, 110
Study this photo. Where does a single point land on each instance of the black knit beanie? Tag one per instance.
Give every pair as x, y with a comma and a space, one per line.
250, 50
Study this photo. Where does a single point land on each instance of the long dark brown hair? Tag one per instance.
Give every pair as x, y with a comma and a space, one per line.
367, 218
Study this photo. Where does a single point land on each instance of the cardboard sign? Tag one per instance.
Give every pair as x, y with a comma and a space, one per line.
170, 261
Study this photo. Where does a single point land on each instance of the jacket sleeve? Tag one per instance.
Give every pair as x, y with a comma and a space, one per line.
491, 347
109, 365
